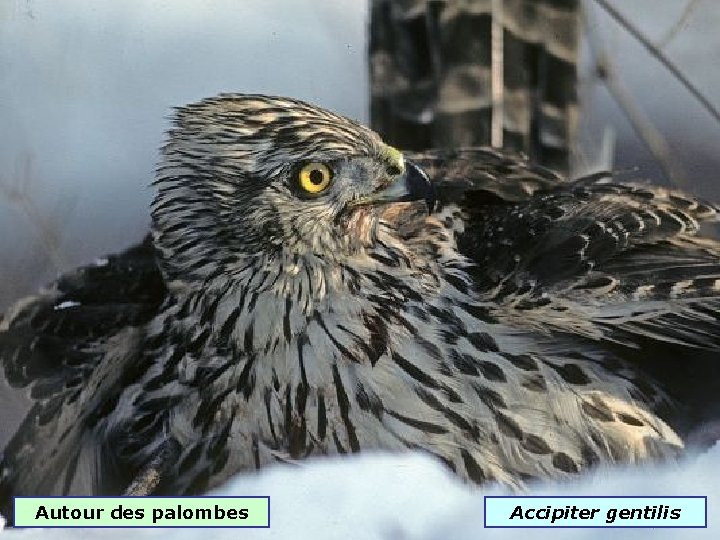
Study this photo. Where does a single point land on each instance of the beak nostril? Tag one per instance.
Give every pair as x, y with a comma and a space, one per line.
394, 170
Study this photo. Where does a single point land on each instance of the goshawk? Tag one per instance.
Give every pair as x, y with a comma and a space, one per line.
309, 290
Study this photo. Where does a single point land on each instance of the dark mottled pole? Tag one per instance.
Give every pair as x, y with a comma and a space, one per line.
481, 72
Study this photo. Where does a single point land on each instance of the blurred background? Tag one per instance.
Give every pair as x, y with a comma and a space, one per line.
86, 86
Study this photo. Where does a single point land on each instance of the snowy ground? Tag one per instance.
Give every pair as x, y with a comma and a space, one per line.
412, 497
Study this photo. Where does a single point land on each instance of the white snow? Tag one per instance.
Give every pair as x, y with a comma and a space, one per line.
412, 497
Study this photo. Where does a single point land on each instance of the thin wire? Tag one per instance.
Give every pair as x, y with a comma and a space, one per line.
660, 56
648, 133
679, 24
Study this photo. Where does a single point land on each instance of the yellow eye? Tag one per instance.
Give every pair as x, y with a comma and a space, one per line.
315, 177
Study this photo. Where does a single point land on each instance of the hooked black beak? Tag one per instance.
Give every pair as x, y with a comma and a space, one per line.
412, 185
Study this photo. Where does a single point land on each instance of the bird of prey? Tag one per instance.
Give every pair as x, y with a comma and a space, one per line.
308, 289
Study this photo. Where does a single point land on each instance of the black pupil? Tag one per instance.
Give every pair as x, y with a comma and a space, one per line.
316, 177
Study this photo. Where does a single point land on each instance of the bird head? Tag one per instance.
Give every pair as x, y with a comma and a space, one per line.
243, 175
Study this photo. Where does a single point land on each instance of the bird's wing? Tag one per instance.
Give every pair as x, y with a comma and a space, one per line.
535, 237
62, 355
623, 264
479, 176
610, 247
